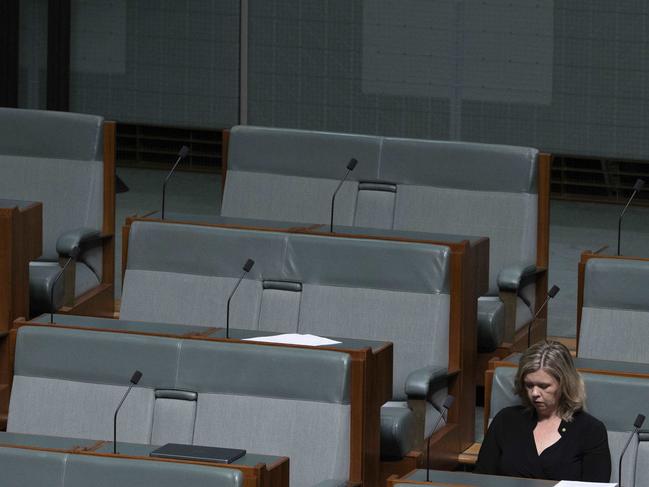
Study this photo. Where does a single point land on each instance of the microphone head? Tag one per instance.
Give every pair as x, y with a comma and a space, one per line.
448, 402
554, 290
638, 185
248, 265
182, 153
638, 421
352, 164
137, 375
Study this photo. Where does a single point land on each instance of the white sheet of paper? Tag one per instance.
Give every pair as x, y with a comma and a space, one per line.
295, 339
573, 483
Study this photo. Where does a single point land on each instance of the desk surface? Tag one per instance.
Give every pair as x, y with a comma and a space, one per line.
304, 227
189, 330
471, 479
259, 470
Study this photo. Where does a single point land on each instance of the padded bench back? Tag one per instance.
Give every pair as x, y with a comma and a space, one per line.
331, 286
466, 188
290, 175
55, 158
631, 397
265, 399
33, 468
615, 311
407, 184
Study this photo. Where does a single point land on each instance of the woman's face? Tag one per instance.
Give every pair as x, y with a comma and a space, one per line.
543, 392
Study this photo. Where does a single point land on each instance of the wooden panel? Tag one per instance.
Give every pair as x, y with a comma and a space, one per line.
259, 475
21, 240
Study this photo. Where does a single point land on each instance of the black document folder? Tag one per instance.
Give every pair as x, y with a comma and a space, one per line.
198, 453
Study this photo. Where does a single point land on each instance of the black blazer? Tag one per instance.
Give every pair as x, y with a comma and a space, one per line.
581, 454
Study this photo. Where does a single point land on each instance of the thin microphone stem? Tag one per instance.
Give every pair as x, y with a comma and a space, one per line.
529, 328
333, 200
445, 407
115, 418
619, 220
227, 318
619, 471
182, 154
56, 279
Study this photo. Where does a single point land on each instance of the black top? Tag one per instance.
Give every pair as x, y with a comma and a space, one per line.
580, 454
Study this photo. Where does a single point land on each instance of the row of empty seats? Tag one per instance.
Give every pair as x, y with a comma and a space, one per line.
499, 192
265, 399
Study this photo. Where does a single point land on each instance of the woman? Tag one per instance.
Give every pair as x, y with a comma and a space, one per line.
550, 436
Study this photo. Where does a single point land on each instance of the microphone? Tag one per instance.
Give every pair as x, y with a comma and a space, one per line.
73, 256
554, 290
636, 188
246, 268
448, 402
350, 167
637, 424
135, 378
184, 150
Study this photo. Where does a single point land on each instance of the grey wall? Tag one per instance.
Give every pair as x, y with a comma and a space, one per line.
566, 76
32, 56
168, 62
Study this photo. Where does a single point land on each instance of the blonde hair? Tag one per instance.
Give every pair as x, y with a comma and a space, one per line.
555, 359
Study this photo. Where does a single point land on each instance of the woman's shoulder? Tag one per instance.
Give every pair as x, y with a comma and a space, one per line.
513, 413
587, 419
587, 422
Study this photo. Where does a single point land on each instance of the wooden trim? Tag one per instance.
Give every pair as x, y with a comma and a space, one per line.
108, 220
21, 240
543, 239
254, 476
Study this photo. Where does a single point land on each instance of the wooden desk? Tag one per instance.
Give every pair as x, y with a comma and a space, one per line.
21, 240
371, 375
258, 470
464, 479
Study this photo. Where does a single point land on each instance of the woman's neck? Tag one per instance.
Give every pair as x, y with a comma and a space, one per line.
548, 416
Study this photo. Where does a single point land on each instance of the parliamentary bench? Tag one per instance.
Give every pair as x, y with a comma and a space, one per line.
370, 371
305, 404
613, 308
66, 162
616, 393
360, 288
500, 192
